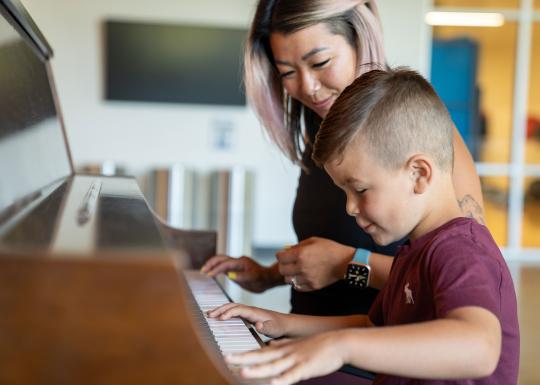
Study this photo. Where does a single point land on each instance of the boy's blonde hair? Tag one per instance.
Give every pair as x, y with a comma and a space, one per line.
396, 112
356, 20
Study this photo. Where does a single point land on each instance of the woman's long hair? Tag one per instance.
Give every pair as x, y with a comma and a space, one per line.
281, 116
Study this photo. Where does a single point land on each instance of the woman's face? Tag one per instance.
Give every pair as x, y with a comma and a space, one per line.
314, 64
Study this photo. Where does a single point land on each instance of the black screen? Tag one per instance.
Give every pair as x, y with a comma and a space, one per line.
174, 63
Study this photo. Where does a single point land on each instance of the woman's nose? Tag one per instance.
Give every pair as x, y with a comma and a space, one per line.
310, 84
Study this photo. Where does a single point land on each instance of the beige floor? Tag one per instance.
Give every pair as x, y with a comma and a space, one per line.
528, 286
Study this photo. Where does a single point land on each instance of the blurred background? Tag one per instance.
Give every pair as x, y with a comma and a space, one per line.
169, 120
153, 89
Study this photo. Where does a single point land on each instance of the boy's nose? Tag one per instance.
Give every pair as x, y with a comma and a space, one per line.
352, 208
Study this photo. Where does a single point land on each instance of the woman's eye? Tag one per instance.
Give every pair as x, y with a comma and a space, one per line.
361, 191
287, 74
321, 64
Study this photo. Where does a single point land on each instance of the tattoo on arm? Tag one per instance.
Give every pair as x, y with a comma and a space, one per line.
471, 209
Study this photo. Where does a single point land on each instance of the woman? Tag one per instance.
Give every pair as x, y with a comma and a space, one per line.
299, 56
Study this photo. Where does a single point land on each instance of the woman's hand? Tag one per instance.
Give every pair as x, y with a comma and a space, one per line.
267, 322
314, 263
244, 271
291, 361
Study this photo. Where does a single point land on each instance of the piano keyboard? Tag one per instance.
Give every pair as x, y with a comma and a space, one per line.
230, 336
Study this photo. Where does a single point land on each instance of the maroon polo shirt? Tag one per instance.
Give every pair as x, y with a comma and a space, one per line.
455, 265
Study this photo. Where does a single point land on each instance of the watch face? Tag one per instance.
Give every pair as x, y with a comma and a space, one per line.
358, 275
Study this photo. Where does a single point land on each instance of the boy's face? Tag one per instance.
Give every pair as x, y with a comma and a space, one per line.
383, 201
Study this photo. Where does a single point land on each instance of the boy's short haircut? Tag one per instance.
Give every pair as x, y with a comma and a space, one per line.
398, 114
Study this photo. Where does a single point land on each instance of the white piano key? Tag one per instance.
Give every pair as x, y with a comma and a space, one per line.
230, 336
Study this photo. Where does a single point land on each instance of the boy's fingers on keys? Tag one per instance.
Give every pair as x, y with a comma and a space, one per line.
290, 376
255, 356
235, 310
268, 369
280, 342
217, 312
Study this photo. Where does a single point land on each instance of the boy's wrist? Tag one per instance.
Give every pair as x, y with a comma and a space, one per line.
342, 339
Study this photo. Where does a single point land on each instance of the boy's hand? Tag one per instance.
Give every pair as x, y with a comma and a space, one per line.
314, 263
291, 361
267, 322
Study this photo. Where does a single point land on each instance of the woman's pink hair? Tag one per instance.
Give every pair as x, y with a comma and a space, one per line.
263, 86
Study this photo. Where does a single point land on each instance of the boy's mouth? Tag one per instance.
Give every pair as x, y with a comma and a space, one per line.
370, 228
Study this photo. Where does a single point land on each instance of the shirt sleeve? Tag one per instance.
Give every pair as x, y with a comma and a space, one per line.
464, 274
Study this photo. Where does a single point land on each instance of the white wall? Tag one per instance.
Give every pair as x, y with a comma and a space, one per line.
145, 135
407, 38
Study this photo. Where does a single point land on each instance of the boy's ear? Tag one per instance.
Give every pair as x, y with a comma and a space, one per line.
421, 172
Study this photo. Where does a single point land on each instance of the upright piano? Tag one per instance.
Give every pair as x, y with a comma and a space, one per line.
94, 288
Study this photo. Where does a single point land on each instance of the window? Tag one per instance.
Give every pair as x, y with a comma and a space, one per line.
503, 115
533, 111
531, 217
531, 185
494, 68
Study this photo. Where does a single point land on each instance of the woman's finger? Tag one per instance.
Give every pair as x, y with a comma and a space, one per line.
226, 265
287, 256
212, 262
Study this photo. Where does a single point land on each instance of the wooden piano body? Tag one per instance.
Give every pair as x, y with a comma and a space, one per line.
91, 289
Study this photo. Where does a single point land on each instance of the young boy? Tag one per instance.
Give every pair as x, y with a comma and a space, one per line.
447, 314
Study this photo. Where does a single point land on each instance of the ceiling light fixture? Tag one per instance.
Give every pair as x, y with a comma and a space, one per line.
465, 19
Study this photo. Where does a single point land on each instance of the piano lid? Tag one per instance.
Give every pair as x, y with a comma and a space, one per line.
43, 206
85, 215
33, 149
28, 27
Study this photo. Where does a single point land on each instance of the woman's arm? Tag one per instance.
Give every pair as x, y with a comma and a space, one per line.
466, 181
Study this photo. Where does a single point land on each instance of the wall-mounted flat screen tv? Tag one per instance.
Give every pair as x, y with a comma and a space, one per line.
173, 63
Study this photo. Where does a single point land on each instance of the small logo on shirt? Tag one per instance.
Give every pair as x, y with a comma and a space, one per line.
408, 295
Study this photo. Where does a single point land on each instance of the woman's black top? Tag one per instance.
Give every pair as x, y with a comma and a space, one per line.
319, 211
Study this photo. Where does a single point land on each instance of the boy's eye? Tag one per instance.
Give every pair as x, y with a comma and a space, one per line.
321, 64
361, 191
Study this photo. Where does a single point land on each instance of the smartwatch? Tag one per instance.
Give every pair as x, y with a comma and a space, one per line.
358, 270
